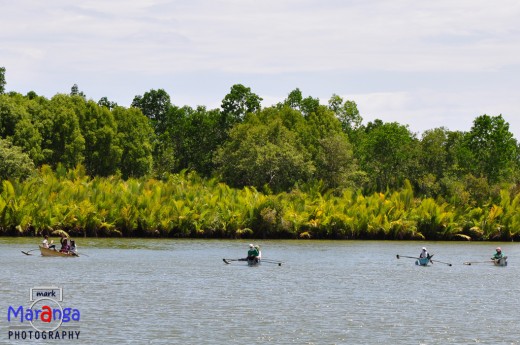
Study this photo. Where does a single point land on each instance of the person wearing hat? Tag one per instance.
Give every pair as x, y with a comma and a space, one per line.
253, 252
498, 254
424, 253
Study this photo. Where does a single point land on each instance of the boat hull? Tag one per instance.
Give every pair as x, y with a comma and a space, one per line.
256, 261
52, 252
500, 262
422, 262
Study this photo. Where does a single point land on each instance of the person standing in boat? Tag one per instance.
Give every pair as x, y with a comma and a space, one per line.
253, 252
45, 243
498, 254
424, 253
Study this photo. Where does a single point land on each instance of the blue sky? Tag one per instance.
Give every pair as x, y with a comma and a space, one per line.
425, 64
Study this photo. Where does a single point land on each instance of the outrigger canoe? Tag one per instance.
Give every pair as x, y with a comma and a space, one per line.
500, 262
423, 261
255, 261
52, 252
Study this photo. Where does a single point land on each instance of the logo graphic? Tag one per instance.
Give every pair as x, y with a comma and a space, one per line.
44, 318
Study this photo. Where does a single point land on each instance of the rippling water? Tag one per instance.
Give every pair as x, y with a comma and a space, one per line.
326, 292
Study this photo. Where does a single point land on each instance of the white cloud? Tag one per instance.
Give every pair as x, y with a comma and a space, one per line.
409, 60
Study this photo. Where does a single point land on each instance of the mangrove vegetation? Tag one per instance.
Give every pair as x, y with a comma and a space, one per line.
297, 169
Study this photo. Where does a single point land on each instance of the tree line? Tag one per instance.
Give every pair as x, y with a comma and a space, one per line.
296, 145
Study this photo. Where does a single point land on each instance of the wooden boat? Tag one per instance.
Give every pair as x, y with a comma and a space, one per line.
500, 262
423, 261
52, 252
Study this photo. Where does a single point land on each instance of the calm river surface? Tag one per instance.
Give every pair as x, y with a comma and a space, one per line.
135, 291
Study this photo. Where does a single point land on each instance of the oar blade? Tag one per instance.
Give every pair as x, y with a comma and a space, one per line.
26, 253
226, 261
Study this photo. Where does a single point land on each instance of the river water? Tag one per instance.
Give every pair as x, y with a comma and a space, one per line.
133, 291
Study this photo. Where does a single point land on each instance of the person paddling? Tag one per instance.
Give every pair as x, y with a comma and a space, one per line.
253, 253
498, 254
424, 253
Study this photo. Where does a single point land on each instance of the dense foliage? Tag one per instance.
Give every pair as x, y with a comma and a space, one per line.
288, 156
186, 205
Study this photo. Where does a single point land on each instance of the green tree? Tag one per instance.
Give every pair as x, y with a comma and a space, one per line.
434, 151
388, 154
310, 105
2, 80
31, 95
294, 99
14, 163
335, 162
104, 102
433, 161
27, 136
62, 141
18, 124
291, 119
347, 113
237, 103
166, 121
135, 134
102, 151
319, 124
12, 110
201, 136
493, 147
169, 141
263, 155
457, 153
74, 91
155, 105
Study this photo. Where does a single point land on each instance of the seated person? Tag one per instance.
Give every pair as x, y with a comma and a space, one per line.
253, 252
73, 247
498, 254
65, 244
45, 243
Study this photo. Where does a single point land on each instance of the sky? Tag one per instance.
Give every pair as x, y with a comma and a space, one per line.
425, 64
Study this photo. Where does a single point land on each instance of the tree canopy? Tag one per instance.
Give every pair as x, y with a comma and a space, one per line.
276, 149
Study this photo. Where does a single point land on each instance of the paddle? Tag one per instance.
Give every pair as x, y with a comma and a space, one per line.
227, 260
403, 256
481, 262
412, 257
279, 263
477, 262
27, 252
416, 258
446, 263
